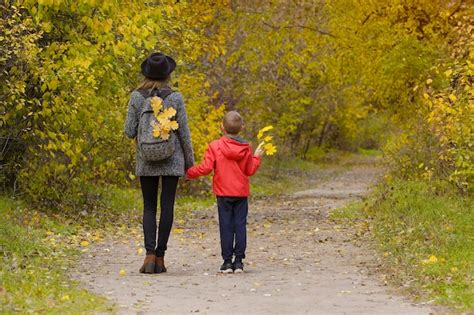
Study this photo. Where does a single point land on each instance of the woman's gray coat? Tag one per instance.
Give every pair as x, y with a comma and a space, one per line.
183, 157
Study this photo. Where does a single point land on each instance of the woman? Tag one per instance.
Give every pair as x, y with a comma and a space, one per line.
157, 69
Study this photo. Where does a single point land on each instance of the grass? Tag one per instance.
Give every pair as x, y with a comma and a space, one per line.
425, 233
369, 152
36, 254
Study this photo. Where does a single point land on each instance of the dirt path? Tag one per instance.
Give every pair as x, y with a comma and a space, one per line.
298, 262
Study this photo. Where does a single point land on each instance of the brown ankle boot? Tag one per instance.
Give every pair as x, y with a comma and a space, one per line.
149, 264
160, 265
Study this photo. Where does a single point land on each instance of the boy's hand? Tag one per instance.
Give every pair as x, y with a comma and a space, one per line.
259, 151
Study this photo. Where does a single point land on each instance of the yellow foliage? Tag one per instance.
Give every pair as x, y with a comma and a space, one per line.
156, 104
67, 69
205, 116
266, 144
163, 124
270, 149
263, 130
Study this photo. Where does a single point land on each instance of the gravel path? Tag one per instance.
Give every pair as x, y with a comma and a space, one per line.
298, 262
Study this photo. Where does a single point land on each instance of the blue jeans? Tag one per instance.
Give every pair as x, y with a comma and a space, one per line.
233, 226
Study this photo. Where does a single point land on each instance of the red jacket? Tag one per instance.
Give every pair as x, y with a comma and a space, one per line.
232, 162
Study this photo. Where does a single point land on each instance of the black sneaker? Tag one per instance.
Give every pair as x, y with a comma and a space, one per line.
238, 267
226, 267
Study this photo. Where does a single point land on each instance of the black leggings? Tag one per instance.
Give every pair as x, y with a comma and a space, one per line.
149, 186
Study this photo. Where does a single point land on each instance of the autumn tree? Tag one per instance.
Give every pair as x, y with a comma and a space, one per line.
68, 68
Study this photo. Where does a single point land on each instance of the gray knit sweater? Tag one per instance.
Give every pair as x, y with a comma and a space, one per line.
183, 157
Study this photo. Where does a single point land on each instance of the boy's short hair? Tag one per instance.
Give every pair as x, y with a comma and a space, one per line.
232, 122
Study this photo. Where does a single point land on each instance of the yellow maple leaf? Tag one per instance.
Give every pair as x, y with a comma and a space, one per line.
263, 130
270, 149
166, 126
156, 104
171, 111
162, 119
178, 230
84, 243
431, 260
156, 131
165, 135
174, 125
122, 272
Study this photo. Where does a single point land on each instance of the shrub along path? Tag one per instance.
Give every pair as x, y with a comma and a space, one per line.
298, 261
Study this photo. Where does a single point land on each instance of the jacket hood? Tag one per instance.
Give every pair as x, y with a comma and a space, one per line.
234, 149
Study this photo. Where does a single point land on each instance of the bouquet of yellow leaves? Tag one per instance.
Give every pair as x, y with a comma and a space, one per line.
266, 141
165, 124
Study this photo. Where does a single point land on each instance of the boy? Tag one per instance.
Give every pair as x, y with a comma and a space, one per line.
232, 161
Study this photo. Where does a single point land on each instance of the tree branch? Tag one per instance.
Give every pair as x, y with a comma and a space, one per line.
300, 26
458, 6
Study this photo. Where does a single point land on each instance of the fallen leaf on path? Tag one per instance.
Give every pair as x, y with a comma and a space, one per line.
85, 243
122, 272
431, 260
178, 230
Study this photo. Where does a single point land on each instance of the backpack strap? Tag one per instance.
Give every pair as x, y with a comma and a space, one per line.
163, 92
